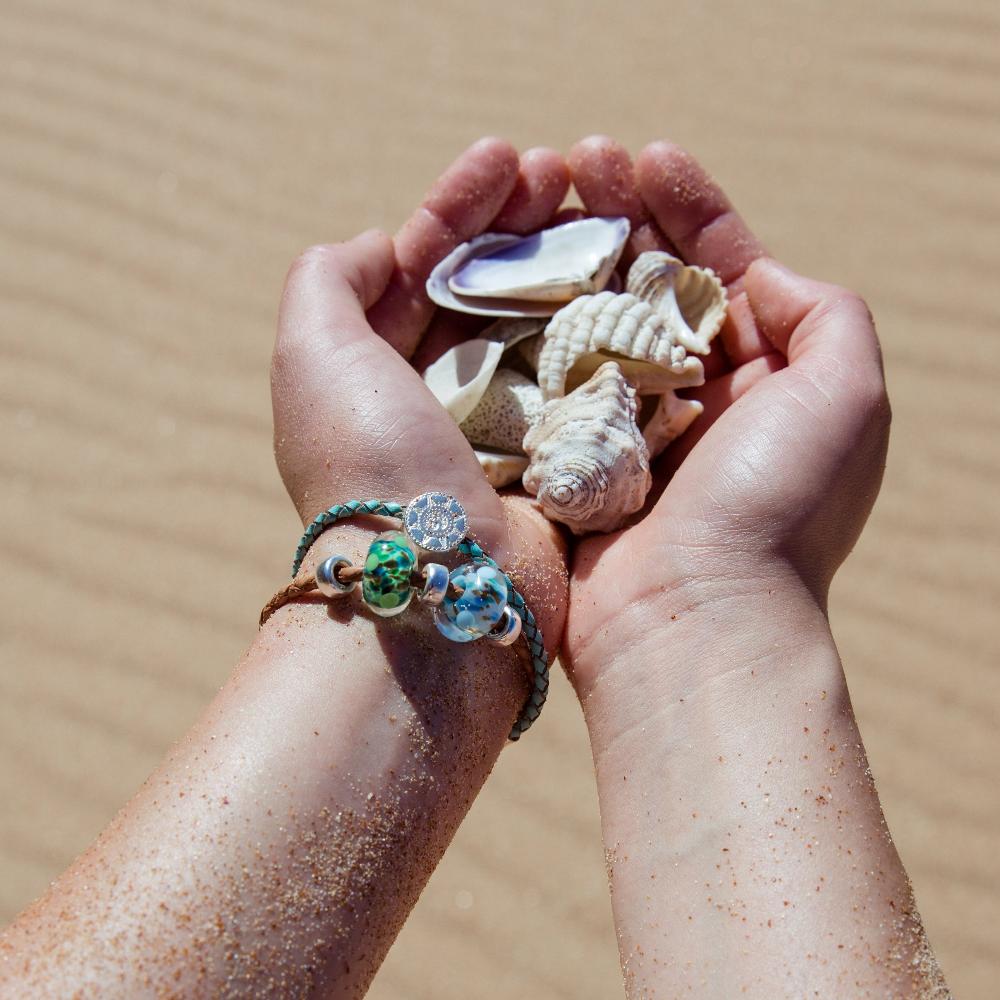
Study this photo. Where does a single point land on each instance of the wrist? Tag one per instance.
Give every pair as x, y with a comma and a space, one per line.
527, 546
536, 569
662, 646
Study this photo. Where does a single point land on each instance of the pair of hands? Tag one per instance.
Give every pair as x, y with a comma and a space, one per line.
769, 488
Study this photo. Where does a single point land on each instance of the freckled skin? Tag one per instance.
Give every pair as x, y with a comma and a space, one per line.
747, 850
278, 849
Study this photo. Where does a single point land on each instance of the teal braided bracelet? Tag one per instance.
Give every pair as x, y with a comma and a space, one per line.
340, 512
435, 522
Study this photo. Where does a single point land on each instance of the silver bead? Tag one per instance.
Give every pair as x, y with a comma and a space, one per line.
436, 583
326, 577
508, 629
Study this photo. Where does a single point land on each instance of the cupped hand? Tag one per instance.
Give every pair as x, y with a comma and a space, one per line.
353, 418
774, 481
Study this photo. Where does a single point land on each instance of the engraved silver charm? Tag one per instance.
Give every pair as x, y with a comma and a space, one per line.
435, 522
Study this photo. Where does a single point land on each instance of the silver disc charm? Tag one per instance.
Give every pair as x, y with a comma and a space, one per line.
435, 522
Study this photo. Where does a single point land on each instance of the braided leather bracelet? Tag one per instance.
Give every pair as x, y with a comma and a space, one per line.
437, 523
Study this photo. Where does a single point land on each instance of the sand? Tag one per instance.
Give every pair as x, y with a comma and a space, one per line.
159, 167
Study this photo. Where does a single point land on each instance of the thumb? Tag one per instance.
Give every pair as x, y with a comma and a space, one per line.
817, 326
323, 346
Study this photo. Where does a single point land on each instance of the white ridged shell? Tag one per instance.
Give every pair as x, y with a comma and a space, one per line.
595, 328
509, 407
691, 301
589, 463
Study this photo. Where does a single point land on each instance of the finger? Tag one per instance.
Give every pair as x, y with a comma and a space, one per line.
740, 336
602, 175
716, 397
807, 319
328, 288
324, 355
542, 183
460, 205
693, 212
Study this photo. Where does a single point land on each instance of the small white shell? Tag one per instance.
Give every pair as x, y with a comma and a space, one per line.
691, 301
669, 420
498, 274
593, 328
461, 375
506, 412
589, 463
501, 469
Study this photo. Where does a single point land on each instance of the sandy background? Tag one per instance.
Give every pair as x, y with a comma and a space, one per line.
160, 164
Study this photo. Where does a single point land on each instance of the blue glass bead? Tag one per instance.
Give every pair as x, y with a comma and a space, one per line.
479, 607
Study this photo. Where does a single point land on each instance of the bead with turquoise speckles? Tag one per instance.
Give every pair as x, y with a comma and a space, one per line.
385, 580
480, 606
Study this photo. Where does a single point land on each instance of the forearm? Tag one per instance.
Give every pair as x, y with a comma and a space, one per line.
747, 849
283, 842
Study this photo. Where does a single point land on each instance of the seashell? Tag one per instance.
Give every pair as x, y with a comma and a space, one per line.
593, 328
501, 469
461, 375
509, 407
513, 331
669, 420
530, 350
589, 463
691, 301
498, 274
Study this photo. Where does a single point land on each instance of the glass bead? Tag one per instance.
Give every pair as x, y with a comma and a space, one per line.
385, 578
479, 607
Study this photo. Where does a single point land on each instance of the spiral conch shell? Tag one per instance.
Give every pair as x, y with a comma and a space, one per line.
589, 464
690, 300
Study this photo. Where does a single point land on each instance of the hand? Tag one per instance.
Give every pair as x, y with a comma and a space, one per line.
774, 481
328, 776
353, 419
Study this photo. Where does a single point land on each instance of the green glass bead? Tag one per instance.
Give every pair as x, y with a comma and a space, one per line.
385, 579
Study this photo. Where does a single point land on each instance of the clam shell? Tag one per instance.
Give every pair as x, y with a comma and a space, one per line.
593, 328
589, 462
501, 469
461, 375
509, 407
498, 274
691, 301
669, 420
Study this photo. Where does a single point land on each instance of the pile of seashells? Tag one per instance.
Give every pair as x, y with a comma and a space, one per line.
572, 389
